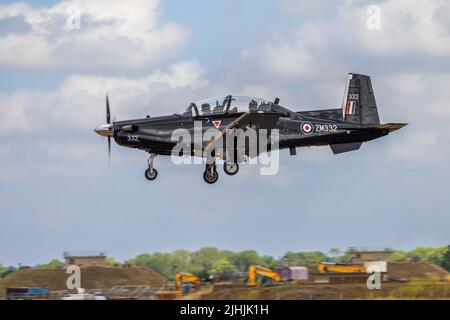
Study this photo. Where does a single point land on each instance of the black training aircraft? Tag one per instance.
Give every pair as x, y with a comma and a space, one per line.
343, 129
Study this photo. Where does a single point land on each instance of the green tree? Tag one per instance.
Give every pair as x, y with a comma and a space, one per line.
429, 254
161, 262
397, 255
53, 264
446, 260
304, 258
2, 271
110, 261
269, 262
6, 271
203, 261
222, 267
245, 258
335, 253
346, 256
182, 260
434, 255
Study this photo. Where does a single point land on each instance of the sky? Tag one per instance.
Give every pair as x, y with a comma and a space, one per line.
59, 192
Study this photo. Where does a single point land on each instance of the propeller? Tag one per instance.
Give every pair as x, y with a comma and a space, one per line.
107, 129
108, 121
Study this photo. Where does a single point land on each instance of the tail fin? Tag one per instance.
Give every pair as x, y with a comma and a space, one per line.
358, 105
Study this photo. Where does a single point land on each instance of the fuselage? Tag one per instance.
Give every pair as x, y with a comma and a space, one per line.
155, 134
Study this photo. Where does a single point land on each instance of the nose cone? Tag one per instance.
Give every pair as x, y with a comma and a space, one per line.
105, 130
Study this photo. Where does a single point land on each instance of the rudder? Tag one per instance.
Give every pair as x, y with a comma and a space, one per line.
359, 105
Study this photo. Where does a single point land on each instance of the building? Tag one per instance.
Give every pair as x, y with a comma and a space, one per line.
85, 258
360, 255
292, 273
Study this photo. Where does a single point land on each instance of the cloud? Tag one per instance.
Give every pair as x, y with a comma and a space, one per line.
111, 35
78, 104
319, 46
419, 26
423, 146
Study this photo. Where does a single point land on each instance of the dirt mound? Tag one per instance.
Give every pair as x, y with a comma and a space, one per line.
416, 270
425, 282
91, 278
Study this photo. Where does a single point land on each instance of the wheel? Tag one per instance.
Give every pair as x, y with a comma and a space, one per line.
151, 174
210, 176
230, 168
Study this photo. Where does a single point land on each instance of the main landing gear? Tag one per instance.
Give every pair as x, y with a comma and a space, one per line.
230, 168
151, 172
210, 175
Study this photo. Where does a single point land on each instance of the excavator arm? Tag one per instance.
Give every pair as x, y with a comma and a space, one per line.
253, 271
335, 267
186, 277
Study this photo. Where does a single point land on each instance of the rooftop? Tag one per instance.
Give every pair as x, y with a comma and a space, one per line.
67, 254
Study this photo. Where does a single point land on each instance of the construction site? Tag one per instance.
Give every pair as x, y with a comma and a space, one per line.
368, 274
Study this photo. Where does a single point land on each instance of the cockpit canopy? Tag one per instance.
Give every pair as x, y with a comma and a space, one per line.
226, 105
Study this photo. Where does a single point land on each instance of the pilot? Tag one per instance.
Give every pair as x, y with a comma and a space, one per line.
206, 108
252, 105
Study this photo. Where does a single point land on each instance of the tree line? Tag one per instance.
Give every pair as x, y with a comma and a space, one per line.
211, 261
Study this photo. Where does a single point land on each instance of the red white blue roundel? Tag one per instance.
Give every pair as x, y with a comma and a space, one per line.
307, 127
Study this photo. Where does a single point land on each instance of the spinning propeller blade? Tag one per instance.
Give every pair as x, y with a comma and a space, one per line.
108, 112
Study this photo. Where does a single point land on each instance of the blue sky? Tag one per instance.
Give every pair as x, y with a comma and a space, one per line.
58, 192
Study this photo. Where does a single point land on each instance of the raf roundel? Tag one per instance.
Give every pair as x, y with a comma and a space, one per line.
307, 127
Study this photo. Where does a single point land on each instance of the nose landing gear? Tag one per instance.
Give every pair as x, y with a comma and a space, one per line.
151, 173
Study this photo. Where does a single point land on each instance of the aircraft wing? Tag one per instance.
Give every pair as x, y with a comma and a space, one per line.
253, 120
264, 120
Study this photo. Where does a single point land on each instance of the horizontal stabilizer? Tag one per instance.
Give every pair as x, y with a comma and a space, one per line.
345, 147
391, 126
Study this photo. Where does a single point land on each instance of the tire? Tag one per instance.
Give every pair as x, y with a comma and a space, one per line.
230, 168
151, 174
210, 178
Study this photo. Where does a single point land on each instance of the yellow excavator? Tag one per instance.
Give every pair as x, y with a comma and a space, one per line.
325, 267
181, 277
170, 293
253, 271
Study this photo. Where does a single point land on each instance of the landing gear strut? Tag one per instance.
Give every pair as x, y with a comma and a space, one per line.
210, 175
151, 172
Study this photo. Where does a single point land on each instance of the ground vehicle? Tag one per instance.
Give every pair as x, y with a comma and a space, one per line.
292, 273
170, 292
83, 295
184, 277
253, 271
325, 267
27, 293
